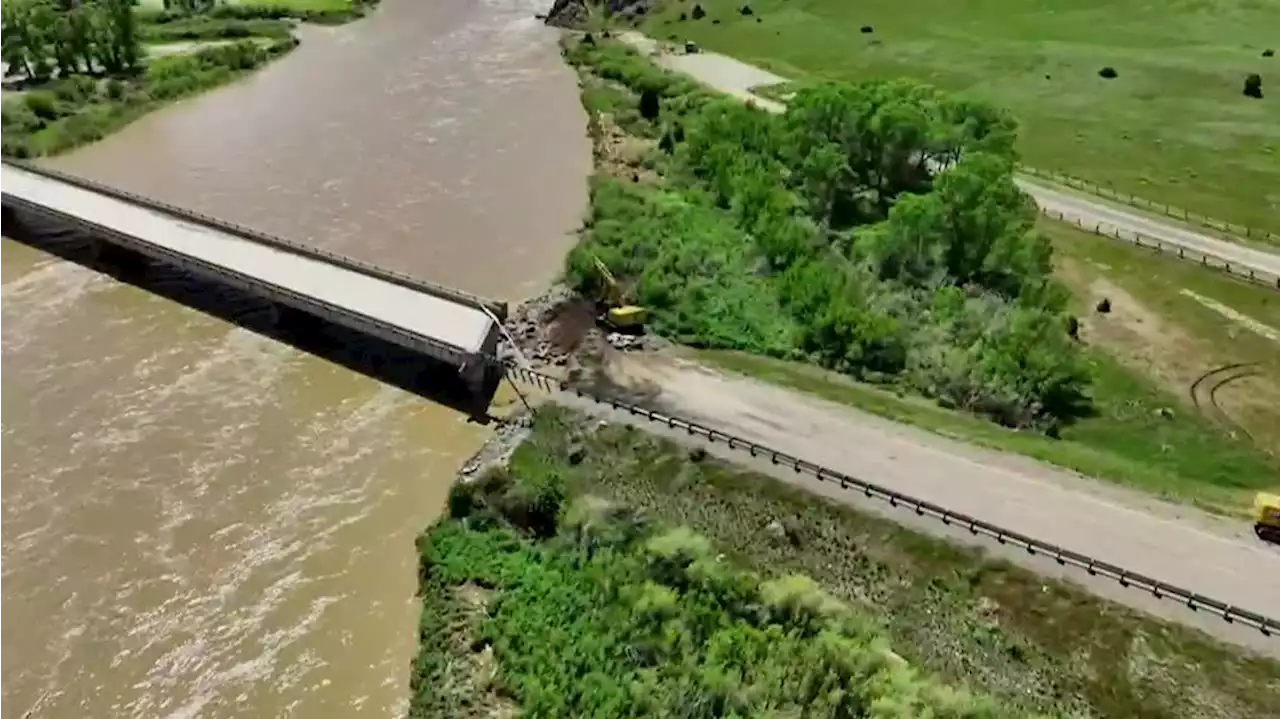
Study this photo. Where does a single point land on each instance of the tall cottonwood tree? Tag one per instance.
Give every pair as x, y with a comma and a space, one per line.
68, 37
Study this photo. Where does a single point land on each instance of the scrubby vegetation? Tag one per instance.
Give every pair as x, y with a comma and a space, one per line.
601, 575
829, 234
83, 67
75, 110
314, 11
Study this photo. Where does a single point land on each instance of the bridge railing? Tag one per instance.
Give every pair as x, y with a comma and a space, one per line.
496, 307
1194, 601
275, 292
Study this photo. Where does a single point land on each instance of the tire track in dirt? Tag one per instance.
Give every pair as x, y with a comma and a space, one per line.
1204, 392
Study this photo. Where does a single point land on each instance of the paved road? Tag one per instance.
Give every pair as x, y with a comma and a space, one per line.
1175, 544
737, 78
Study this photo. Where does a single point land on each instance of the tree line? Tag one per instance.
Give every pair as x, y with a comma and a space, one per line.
874, 229
44, 38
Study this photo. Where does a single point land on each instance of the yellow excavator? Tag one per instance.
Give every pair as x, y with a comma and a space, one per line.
1266, 517
615, 313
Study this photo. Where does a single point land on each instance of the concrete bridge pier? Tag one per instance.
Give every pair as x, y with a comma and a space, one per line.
476, 376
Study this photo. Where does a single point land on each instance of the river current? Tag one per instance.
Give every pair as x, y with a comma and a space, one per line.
200, 519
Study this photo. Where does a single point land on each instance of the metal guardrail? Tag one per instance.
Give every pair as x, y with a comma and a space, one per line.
1200, 258
1063, 556
496, 307
1234, 231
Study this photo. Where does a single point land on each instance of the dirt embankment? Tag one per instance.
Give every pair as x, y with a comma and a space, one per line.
573, 14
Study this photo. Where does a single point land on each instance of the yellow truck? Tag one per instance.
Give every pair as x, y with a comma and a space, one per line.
1266, 517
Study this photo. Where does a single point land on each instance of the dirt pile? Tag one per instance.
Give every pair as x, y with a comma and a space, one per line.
558, 329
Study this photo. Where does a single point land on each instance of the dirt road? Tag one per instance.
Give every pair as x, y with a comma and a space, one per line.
737, 78
1178, 545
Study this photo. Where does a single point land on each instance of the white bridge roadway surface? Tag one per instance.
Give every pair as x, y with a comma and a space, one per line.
416, 313
1177, 545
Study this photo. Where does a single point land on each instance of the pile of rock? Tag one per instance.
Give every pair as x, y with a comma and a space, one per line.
497, 451
626, 343
530, 323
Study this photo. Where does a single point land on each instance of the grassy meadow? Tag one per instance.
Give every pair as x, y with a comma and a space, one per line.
1173, 126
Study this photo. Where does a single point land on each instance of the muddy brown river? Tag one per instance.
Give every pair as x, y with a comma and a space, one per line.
203, 520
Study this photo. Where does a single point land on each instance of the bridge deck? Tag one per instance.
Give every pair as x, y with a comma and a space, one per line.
419, 313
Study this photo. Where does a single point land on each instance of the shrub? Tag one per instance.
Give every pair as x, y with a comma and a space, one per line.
19, 118
75, 90
649, 107
17, 147
1253, 86
534, 504
43, 104
1108, 72
698, 12
1268, 53
867, 29
115, 90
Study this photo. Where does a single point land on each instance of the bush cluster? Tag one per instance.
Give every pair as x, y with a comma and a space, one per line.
248, 11
610, 616
211, 28
874, 229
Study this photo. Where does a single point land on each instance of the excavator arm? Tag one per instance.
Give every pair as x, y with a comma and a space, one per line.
618, 314
613, 293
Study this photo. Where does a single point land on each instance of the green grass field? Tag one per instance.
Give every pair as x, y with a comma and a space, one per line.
1173, 127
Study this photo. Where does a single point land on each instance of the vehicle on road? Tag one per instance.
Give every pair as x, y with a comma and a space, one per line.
1266, 517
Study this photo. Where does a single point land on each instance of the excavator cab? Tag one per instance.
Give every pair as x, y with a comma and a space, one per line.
1266, 517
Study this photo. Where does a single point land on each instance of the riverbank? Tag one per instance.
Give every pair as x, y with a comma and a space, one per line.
78, 110
539, 568
223, 43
